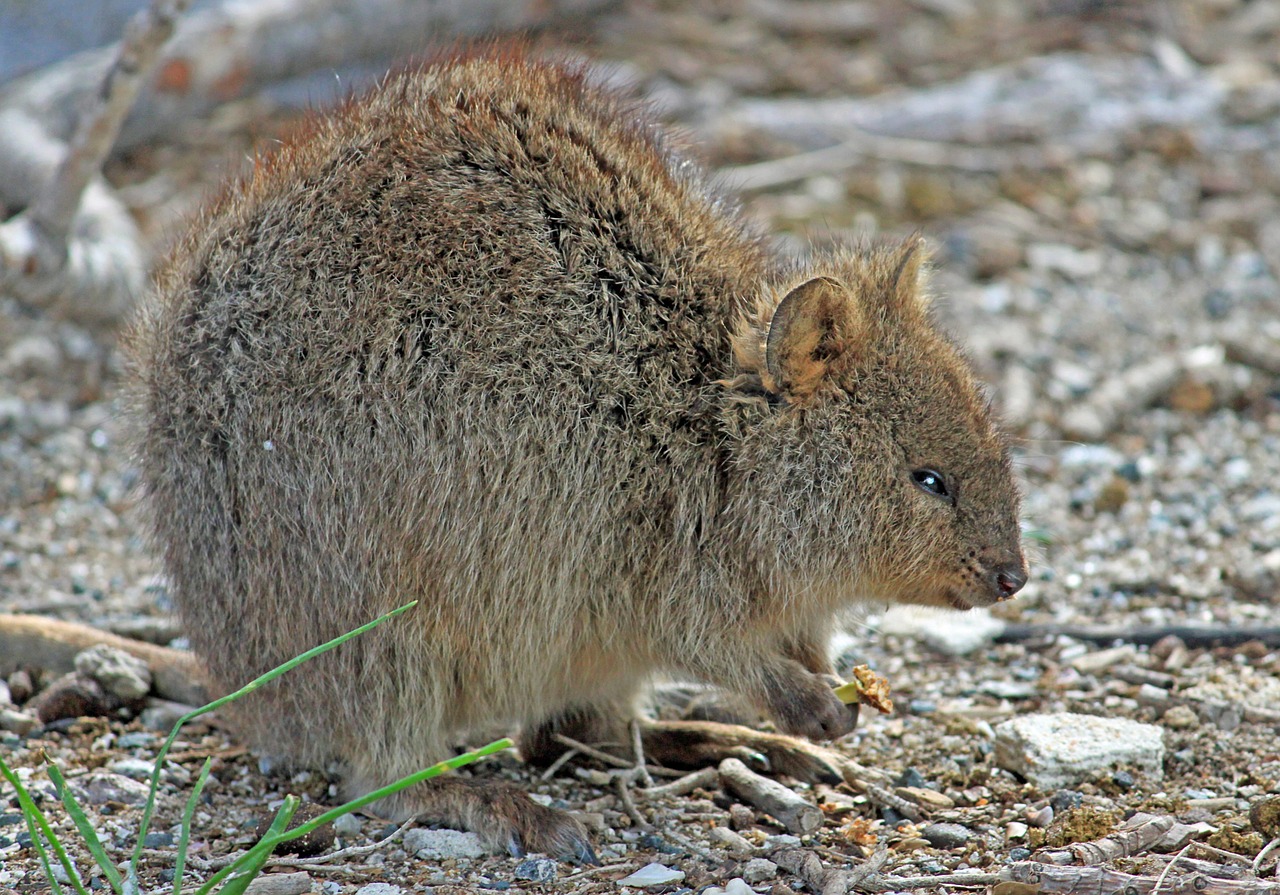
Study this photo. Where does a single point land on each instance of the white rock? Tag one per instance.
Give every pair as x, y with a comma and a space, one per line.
652, 875
953, 633
437, 845
379, 889
1058, 750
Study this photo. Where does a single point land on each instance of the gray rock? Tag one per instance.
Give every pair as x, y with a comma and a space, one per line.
946, 835
18, 722
348, 825
757, 870
379, 889
438, 845
119, 673
538, 870
100, 788
133, 768
160, 714
1057, 750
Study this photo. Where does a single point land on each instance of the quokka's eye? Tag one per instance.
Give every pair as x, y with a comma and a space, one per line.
931, 481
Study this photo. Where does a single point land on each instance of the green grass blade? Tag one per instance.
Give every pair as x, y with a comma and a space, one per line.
87, 832
435, 770
38, 828
149, 809
184, 837
249, 865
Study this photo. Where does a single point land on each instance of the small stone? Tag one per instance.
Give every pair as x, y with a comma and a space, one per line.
757, 870
1123, 780
738, 886
100, 788
1051, 750
133, 768
929, 799
379, 889
437, 845
955, 634
348, 826
538, 870
741, 817
911, 778
1041, 818
20, 686
1065, 800
1015, 831
123, 675
652, 875
946, 835
1100, 660
1019, 854
18, 722
1180, 717
158, 840
160, 714
730, 841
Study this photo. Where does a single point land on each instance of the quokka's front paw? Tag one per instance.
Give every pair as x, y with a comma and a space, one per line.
804, 704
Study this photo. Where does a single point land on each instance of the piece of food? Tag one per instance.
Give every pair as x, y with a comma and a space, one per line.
868, 688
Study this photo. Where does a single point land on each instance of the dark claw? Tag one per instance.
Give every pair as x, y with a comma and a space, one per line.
514, 848
583, 851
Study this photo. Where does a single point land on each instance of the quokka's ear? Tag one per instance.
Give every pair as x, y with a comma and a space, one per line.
908, 288
812, 327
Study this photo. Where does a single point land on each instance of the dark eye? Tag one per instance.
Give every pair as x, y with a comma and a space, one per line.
931, 481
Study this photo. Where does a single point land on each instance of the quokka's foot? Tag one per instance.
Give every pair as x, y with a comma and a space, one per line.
502, 814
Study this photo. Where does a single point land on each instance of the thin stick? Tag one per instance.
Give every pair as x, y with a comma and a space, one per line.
1266, 850
565, 758
1167, 867
624, 793
705, 778
592, 751
55, 207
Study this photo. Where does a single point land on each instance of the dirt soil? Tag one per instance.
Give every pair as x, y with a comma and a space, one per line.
1112, 268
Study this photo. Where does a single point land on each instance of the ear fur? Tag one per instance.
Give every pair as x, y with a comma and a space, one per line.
907, 284
811, 327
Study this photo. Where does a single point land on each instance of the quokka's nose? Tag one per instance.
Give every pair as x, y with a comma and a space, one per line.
1009, 581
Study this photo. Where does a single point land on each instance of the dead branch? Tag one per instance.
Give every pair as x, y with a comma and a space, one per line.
83, 256
793, 812
1194, 636
33, 641
1138, 834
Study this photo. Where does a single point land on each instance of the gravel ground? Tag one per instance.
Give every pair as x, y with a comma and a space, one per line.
1122, 300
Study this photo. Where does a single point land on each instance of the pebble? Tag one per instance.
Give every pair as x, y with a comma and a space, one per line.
538, 870
18, 722
133, 768
438, 845
348, 826
100, 788
757, 870
379, 889
652, 875
121, 674
158, 840
1053, 750
946, 835
1015, 831
160, 714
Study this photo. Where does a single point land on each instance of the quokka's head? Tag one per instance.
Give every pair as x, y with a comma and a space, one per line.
868, 464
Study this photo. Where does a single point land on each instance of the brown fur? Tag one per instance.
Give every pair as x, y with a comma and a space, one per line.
484, 340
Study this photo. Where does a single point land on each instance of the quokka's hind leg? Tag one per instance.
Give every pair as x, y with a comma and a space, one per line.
501, 813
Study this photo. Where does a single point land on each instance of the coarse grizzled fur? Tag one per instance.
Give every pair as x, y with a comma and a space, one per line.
484, 339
